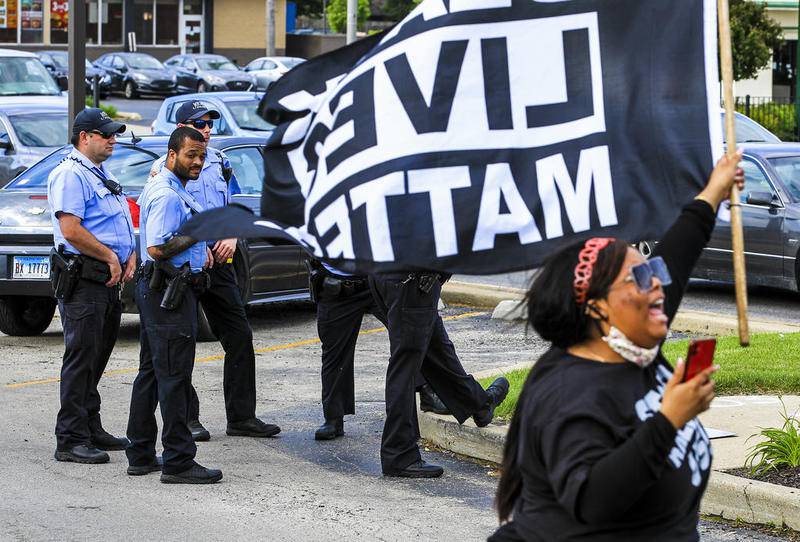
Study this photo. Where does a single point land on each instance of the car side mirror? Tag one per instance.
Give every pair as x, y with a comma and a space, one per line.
5, 143
123, 69
63, 82
762, 198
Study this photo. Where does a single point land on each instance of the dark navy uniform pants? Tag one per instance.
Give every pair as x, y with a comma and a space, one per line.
338, 324
166, 360
224, 308
90, 319
418, 342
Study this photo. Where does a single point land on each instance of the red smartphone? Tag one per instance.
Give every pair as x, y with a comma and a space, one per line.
700, 357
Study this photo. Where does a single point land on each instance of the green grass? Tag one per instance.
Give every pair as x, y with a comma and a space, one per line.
770, 365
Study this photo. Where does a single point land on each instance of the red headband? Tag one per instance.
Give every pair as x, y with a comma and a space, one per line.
586, 260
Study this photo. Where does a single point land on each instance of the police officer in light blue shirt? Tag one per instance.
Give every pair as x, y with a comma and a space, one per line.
170, 279
93, 228
222, 302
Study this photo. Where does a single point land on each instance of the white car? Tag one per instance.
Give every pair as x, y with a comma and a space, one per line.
270, 68
24, 79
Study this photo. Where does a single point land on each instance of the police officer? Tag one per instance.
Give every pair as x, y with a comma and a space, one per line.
171, 276
342, 300
222, 302
418, 341
93, 232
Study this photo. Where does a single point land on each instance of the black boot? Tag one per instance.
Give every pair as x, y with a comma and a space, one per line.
430, 402
102, 440
252, 428
197, 474
330, 429
82, 454
417, 469
497, 392
199, 433
140, 470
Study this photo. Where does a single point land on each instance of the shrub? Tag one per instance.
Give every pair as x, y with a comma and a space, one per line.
780, 449
110, 110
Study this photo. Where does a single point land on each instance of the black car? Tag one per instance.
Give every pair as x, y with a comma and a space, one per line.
57, 63
204, 73
137, 73
266, 271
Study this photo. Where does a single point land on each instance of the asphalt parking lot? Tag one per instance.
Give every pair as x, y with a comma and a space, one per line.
286, 488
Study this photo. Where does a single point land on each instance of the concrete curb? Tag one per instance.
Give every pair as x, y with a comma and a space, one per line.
124, 115
728, 496
506, 305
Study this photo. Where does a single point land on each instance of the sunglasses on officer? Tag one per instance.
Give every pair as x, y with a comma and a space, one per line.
102, 134
200, 123
642, 274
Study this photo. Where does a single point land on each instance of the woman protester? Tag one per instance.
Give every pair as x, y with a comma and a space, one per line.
605, 444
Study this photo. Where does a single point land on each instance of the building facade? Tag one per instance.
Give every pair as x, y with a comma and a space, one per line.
234, 28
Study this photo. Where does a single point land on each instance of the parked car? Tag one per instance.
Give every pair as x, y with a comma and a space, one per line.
204, 73
266, 271
137, 73
237, 110
24, 79
749, 131
28, 133
270, 68
57, 63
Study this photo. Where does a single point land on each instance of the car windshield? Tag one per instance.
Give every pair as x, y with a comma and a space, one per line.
22, 76
748, 131
143, 62
130, 165
220, 63
788, 169
41, 129
62, 60
244, 111
292, 62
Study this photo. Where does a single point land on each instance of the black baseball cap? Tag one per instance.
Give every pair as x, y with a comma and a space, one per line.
96, 119
193, 110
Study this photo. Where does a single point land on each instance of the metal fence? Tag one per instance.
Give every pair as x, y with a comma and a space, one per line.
778, 115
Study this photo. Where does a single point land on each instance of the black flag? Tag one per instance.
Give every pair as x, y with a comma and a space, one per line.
478, 136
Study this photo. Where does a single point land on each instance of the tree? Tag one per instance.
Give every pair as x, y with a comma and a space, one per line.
309, 8
754, 35
337, 14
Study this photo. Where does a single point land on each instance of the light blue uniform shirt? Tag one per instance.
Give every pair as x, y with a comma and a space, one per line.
165, 205
210, 190
74, 187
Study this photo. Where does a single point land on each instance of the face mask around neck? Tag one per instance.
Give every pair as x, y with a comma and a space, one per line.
630, 351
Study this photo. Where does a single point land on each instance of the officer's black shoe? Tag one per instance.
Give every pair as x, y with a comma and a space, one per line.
197, 474
139, 470
252, 428
497, 392
103, 440
430, 402
199, 433
82, 454
417, 469
330, 429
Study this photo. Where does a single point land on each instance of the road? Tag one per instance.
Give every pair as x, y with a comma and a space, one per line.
286, 488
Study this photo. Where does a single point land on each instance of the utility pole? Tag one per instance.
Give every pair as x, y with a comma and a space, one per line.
270, 27
352, 20
76, 31
796, 75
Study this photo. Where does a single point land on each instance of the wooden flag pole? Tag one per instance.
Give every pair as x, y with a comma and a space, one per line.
737, 235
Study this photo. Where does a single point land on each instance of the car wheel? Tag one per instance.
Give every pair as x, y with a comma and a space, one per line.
204, 333
130, 91
26, 316
202, 87
645, 248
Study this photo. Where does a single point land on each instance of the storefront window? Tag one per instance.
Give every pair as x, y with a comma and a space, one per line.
8, 21
167, 19
31, 17
92, 23
59, 21
143, 15
112, 22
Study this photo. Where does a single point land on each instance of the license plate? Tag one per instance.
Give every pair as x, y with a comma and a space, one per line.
31, 267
